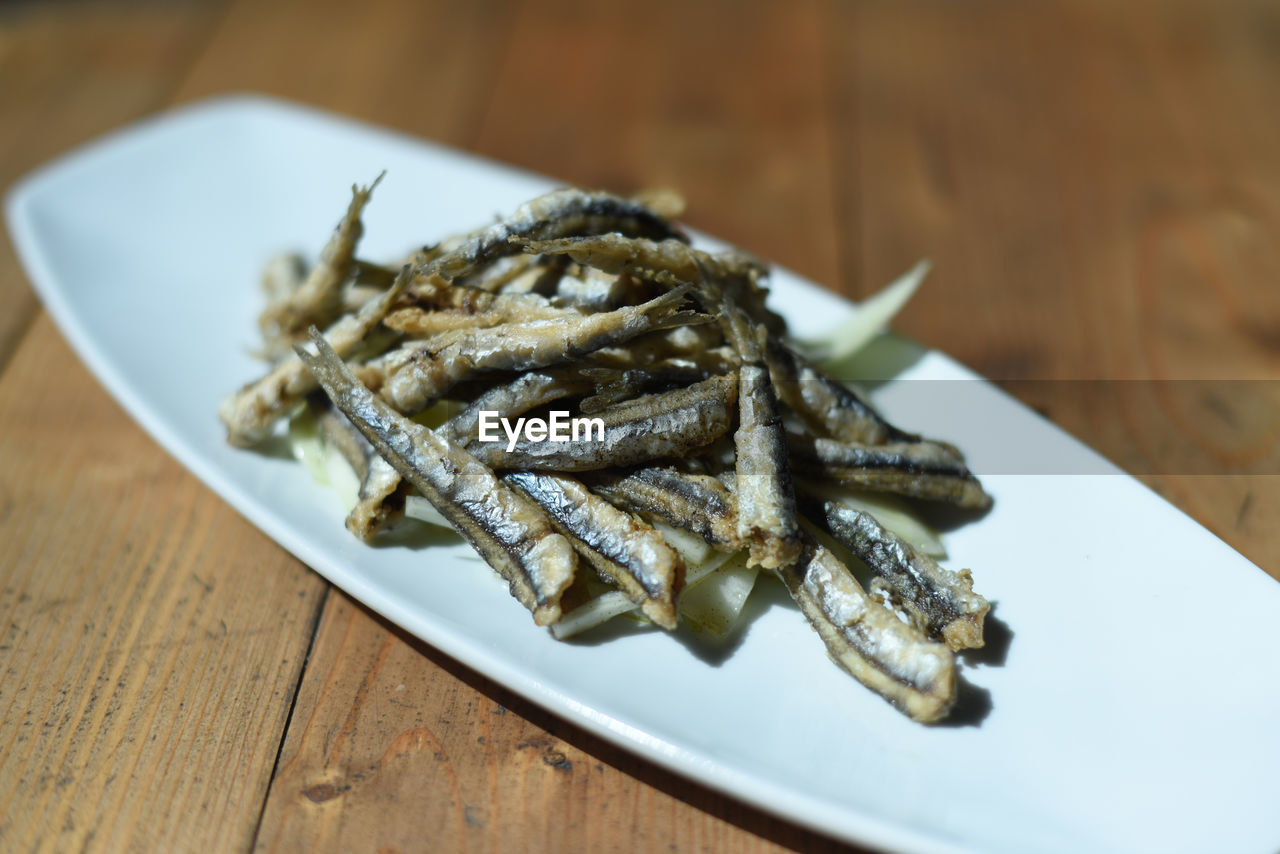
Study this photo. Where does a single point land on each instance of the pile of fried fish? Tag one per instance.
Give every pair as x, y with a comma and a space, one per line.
714, 423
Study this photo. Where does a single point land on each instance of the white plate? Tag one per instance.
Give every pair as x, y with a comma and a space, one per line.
1137, 709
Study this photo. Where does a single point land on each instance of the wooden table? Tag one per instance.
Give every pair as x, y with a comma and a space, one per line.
1097, 183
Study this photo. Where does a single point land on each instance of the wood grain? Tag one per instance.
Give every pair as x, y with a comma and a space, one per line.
1067, 193
1096, 183
422, 67
1091, 184
70, 77
395, 747
152, 638
722, 101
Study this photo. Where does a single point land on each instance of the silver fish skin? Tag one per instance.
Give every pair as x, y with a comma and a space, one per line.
890, 657
670, 263
654, 427
417, 376
508, 530
701, 344
251, 413
339, 433
527, 391
541, 279
767, 519
622, 548
940, 601
829, 407
382, 492
501, 274
918, 469
592, 290
553, 215
697, 503
615, 385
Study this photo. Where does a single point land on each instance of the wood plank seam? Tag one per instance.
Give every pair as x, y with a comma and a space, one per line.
288, 719
28, 324
29, 314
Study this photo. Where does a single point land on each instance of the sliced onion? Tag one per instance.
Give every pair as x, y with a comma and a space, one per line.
417, 507
715, 603
872, 315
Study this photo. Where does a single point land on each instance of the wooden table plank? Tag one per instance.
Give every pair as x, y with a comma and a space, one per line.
1093, 183
422, 67
1061, 191
395, 747
152, 639
69, 77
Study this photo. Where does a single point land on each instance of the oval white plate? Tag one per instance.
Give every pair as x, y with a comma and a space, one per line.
1135, 709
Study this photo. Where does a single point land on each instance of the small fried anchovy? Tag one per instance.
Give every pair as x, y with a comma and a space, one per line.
417, 376
541, 279
592, 290
663, 201
282, 276
919, 469
528, 391
700, 345
614, 386
504, 273
864, 637
673, 261
623, 549
940, 601
369, 280
419, 321
554, 215
341, 434
653, 427
698, 503
670, 263
370, 275
830, 408
433, 292
767, 520
382, 492
381, 499
510, 532
250, 413
318, 300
